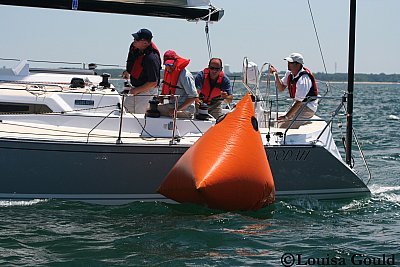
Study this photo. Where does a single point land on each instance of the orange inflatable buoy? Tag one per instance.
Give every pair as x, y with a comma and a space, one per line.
227, 168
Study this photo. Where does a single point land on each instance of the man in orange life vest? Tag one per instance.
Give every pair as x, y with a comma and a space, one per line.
214, 87
143, 69
302, 88
178, 81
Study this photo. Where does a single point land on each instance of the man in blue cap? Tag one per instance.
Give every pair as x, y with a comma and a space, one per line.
143, 69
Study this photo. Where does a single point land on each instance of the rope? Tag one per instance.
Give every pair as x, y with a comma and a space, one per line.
319, 45
210, 12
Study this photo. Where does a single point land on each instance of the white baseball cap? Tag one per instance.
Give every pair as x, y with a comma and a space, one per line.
295, 57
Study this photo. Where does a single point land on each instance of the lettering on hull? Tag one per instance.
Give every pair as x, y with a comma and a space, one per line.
288, 154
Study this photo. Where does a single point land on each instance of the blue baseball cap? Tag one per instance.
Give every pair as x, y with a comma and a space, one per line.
143, 34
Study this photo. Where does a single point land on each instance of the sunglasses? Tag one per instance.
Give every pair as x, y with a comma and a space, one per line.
214, 68
169, 65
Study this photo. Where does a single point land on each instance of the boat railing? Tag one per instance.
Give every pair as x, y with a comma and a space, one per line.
121, 115
271, 120
173, 140
79, 65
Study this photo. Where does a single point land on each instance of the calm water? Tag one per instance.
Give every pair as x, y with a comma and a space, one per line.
61, 233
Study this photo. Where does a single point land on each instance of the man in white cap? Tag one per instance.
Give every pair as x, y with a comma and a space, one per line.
302, 88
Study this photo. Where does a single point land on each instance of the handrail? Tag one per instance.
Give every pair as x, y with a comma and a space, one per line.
173, 142
120, 120
244, 78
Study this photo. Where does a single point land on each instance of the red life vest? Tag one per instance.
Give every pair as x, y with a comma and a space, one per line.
293, 81
207, 92
137, 68
171, 78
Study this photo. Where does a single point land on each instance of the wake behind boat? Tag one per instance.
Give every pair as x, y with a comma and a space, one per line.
68, 137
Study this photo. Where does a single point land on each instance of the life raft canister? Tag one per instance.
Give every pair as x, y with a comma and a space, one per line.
208, 93
231, 174
171, 78
293, 81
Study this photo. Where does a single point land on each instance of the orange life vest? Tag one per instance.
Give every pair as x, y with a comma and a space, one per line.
137, 68
293, 81
208, 93
171, 78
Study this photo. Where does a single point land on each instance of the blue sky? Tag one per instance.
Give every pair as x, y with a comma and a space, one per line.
263, 30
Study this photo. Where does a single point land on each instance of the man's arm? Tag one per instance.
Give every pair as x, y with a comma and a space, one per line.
188, 83
227, 98
143, 88
226, 88
186, 103
129, 63
198, 80
278, 81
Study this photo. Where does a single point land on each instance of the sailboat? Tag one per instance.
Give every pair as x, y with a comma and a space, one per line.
73, 140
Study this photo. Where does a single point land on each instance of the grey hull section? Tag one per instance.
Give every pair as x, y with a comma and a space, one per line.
117, 174
312, 171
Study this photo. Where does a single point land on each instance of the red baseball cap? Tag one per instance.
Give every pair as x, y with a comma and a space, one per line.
169, 57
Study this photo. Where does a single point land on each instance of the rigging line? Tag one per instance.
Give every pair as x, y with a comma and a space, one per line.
319, 44
208, 33
208, 41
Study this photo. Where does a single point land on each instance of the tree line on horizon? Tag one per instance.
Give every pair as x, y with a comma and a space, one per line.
358, 77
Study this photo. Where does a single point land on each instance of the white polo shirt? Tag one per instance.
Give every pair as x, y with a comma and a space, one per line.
303, 86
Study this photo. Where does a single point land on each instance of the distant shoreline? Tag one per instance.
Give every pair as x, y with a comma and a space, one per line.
360, 82
360, 78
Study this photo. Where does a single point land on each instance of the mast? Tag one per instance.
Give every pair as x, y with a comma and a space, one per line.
350, 81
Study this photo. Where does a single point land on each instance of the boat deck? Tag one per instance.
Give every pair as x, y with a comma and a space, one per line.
34, 131
137, 129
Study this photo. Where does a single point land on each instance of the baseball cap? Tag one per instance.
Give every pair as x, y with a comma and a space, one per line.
143, 34
295, 57
169, 57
